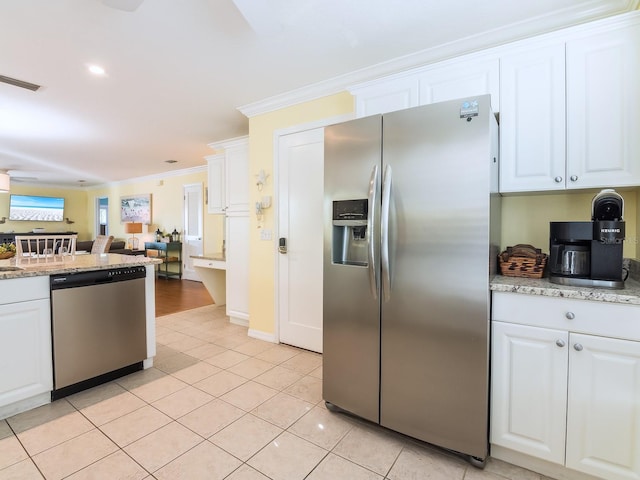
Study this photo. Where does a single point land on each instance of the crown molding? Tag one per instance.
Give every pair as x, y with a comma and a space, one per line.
155, 176
567, 19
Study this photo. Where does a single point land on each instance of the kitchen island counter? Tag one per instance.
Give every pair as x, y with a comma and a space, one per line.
26, 320
18, 267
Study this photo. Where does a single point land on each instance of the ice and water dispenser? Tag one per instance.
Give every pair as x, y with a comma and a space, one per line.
350, 232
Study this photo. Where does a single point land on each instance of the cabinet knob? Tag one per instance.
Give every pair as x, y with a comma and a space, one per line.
573, 178
560, 343
570, 315
578, 347
558, 179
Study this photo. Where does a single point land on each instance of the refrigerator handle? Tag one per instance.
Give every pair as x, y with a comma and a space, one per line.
384, 233
371, 216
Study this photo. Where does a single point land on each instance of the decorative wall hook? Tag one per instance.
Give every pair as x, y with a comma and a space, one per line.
68, 222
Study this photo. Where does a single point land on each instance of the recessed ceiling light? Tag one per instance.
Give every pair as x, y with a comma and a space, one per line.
96, 69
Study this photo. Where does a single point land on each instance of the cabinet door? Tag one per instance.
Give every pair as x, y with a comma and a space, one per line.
603, 424
25, 350
532, 120
464, 78
237, 228
528, 390
216, 195
603, 109
396, 93
237, 176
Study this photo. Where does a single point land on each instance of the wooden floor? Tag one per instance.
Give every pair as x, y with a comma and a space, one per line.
174, 295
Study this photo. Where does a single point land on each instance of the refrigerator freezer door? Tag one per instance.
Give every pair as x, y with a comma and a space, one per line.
434, 331
351, 313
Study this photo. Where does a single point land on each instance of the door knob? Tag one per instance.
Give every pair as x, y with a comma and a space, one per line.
560, 343
578, 347
282, 245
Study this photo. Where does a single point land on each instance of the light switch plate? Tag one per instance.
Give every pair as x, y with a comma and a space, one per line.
265, 234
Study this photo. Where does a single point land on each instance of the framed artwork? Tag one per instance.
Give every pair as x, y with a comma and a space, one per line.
136, 208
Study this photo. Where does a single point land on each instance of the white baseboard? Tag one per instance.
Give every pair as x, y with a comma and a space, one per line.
267, 337
243, 322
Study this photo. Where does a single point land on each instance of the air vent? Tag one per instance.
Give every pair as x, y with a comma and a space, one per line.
19, 83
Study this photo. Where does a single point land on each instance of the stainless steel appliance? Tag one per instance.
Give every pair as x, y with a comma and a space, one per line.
410, 240
98, 326
590, 253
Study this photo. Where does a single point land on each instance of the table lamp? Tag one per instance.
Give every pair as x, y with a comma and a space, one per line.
133, 228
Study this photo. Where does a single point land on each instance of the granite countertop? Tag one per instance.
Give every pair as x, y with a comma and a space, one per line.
18, 267
630, 294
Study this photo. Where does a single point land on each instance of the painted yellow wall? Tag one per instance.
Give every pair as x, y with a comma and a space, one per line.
75, 208
166, 207
262, 253
525, 218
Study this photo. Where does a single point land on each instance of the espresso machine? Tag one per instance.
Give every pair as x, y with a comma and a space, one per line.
590, 253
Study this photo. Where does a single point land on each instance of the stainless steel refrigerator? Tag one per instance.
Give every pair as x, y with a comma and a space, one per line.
411, 237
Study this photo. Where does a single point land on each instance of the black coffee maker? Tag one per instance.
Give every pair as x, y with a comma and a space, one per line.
590, 253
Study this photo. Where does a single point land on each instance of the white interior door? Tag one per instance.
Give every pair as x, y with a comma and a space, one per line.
300, 211
192, 234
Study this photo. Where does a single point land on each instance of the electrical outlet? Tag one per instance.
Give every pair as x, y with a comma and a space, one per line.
265, 234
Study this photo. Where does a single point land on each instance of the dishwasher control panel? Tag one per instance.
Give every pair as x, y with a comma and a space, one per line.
93, 277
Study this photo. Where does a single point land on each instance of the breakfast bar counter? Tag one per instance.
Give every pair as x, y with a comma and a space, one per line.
18, 267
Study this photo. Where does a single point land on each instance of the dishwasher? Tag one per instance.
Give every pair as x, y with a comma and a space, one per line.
98, 321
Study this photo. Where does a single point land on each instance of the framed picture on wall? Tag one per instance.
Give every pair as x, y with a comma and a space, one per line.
136, 208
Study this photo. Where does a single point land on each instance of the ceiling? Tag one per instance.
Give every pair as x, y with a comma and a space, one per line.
177, 71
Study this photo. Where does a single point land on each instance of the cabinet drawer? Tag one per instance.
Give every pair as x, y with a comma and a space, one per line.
208, 263
24, 289
581, 316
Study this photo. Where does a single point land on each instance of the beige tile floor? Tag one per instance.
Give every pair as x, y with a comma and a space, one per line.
218, 405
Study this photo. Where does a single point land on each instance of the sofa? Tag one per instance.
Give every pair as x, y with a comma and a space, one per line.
117, 246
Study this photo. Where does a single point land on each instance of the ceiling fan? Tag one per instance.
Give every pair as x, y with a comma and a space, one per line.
125, 5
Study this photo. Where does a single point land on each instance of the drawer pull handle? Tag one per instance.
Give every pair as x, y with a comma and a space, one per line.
560, 343
578, 347
558, 179
570, 315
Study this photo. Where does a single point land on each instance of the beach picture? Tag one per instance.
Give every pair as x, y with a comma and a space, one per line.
36, 209
136, 208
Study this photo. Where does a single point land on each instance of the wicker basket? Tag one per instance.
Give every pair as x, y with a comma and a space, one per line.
6, 255
522, 261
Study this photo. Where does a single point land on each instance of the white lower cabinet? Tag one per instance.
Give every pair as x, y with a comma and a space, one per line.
237, 265
564, 392
529, 390
25, 353
603, 414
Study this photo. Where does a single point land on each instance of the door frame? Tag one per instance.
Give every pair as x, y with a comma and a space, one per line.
96, 224
186, 273
276, 198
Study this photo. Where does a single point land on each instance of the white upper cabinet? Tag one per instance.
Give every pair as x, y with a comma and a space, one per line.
216, 199
569, 103
594, 143
603, 109
394, 93
459, 79
464, 77
237, 175
229, 176
532, 120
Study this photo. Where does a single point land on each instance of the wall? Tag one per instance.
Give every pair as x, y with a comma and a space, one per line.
525, 218
166, 206
75, 208
261, 145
